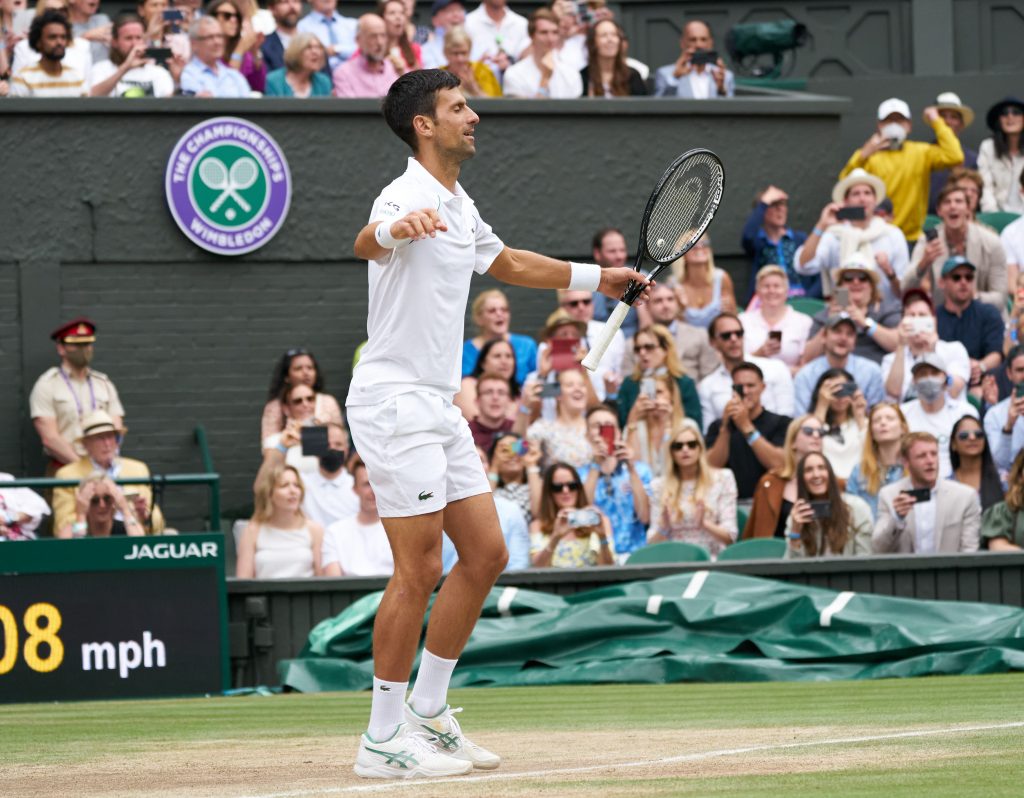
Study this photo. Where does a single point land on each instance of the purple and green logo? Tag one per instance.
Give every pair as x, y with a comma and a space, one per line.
228, 186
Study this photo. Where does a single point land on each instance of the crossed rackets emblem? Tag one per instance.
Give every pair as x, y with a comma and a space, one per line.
217, 176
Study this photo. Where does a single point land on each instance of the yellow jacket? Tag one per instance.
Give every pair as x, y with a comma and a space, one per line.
906, 173
64, 498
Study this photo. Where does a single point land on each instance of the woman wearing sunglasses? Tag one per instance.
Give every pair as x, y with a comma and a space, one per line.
972, 461
776, 490
840, 405
698, 501
880, 462
568, 533
97, 502
655, 351
826, 522
1000, 159
297, 367
242, 49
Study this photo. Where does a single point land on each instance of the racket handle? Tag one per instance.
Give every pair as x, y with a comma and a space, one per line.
606, 335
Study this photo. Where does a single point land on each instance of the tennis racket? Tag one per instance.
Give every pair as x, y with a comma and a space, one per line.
680, 209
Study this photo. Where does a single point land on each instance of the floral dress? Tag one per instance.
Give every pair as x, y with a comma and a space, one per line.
719, 509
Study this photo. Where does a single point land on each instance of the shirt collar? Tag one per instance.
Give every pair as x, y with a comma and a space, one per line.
419, 173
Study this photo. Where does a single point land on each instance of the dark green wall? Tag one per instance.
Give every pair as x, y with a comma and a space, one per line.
189, 337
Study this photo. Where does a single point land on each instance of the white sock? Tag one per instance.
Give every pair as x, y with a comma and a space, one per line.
430, 693
387, 709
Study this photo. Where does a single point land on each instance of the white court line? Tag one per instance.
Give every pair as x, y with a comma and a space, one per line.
836, 607
532, 774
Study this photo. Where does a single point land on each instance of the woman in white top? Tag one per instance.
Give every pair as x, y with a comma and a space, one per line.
840, 405
279, 542
770, 314
565, 438
917, 337
1001, 159
697, 501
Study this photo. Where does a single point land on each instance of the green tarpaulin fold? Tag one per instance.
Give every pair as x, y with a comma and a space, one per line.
701, 626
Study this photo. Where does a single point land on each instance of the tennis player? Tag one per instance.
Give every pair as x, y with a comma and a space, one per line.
424, 241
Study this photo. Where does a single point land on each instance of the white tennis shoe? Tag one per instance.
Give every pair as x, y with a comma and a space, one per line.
410, 753
449, 739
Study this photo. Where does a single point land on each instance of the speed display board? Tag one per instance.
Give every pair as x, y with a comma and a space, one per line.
112, 618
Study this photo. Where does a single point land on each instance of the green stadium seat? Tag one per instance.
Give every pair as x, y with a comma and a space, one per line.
974, 400
931, 220
741, 521
806, 304
754, 549
670, 551
997, 220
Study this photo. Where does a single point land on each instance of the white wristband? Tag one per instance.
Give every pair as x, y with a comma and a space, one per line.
584, 276
388, 241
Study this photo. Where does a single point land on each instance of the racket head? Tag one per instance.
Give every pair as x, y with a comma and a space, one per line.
213, 173
244, 172
679, 211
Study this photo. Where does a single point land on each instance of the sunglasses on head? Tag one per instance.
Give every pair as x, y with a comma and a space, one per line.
970, 435
730, 334
576, 303
814, 432
295, 352
645, 348
677, 446
564, 487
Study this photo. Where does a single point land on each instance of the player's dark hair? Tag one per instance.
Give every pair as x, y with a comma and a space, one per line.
415, 94
49, 17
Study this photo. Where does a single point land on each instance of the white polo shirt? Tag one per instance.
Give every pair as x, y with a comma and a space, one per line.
489, 36
938, 424
329, 500
418, 294
1012, 239
715, 390
360, 549
522, 79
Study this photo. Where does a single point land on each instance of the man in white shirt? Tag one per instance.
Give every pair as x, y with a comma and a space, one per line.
1012, 239
499, 34
695, 78
715, 390
923, 513
128, 71
358, 545
542, 74
49, 36
1004, 421
934, 411
607, 377
336, 33
424, 241
329, 495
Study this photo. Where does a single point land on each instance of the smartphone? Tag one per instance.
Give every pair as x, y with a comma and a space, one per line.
585, 517
855, 214
159, 54
932, 234
919, 494
608, 434
1018, 390
314, 441
846, 389
550, 390
563, 354
704, 57
174, 16
775, 335
821, 509
648, 387
923, 324
738, 390
843, 297
520, 447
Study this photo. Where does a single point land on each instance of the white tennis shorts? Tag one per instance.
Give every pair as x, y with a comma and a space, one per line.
419, 453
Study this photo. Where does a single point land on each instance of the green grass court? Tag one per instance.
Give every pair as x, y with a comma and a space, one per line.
880, 738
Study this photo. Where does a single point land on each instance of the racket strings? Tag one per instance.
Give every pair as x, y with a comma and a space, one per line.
684, 207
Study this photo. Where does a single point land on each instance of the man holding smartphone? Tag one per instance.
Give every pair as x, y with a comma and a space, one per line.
1004, 422
129, 70
698, 73
848, 224
921, 513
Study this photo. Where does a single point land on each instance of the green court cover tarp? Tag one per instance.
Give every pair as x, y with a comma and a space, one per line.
702, 626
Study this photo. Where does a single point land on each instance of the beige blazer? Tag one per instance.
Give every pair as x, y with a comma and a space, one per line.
957, 520
984, 250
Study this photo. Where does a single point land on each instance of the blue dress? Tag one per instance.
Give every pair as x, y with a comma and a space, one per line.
857, 485
702, 317
525, 349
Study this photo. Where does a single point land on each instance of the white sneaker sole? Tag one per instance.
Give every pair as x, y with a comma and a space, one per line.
384, 772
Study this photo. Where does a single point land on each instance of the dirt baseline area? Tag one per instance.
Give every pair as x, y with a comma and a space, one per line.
550, 763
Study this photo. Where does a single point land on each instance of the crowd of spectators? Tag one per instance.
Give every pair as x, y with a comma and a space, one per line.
864, 395
236, 48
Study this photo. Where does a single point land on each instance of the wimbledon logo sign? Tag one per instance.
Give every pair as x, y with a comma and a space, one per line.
228, 186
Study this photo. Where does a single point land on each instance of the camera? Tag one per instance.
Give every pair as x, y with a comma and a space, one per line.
579, 519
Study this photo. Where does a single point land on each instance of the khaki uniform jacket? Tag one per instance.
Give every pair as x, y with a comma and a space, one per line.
51, 398
64, 498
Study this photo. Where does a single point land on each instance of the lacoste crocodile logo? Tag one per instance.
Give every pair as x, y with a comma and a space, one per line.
424, 495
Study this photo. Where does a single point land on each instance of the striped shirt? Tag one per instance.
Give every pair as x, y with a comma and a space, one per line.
33, 81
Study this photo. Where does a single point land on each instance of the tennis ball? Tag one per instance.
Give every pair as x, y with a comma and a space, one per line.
661, 242
134, 91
